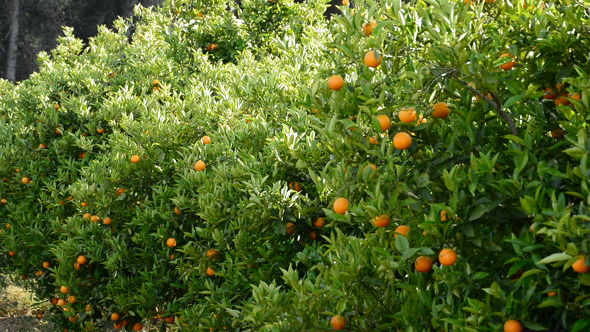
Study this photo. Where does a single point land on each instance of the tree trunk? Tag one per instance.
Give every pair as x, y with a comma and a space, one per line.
12, 54
128, 7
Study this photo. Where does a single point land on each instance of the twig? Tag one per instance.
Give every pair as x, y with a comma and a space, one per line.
495, 103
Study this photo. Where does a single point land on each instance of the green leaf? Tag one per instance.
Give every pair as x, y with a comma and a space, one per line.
530, 272
401, 243
513, 100
554, 258
515, 139
580, 324
585, 279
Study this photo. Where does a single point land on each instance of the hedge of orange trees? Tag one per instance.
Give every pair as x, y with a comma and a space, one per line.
413, 166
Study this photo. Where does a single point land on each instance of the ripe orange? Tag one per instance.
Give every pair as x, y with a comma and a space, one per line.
39, 316
170, 319
95, 218
403, 230
372, 59
407, 115
42, 146
381, 221
441, 110
335, 82
290, 228
73, 318
320, 222
341, 205
138, 326
135, 159
118, 326
579, 266
54, 300
64, 289
295, 186
115, 316
508, 65
12, 253
313, 235
447, 257
550, 294
17, 170
7, 225
72, 299
61, 302
39, 273
4, 201
77, 266
156, 82
212, 253
26, 180
88, 307
107, 221
369, 27
338, 322
423, 264
549, 94
87, 216
443, 215
120, 191
206, 139
576, 96
200, 165
84, 204
82, 260
512, 326
384, 122
46, 264
402, 141
171, 242
210, 272
177, 210
561, 100
374, 140
100, 130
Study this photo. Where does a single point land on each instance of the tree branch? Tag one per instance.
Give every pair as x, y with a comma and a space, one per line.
495, 103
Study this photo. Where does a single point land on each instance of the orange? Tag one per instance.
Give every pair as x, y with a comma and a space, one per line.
39, 316
100, 130
372, 59
206, 139
320, 222
369, 27
120, 191
374, 140
42, 146
54, 300
295, 186
12, 253
443, 215
82, 260
72, 299
313, 235
87, 216
39, 273
345, 2
84, 204
170, 319
138, 326
156, 82
88, 307
118, 326
381, 221
512, 326
172, 257
335, 82
61, 302
338, 322
402, 141
64, 289
73, 318
200, 165
26, 180
135, 159
107, 221
290, 228
447, 257
4, 201
77, 266
212, 253
423, 264
46, 264
7, 225
576, 96
441, 110
407, 115
95, 218
177, 210
549, 94
115, 316
210, 272
58, 131
403, 230
579, 266
561, 100
508, 65
550, 294
341, 205
171, 242
384, 122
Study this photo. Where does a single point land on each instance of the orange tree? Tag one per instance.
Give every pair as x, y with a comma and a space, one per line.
262, 169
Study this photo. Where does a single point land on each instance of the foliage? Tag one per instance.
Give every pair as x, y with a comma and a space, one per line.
503, 180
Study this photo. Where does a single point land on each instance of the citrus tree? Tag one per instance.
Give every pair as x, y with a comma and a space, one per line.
405, 166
